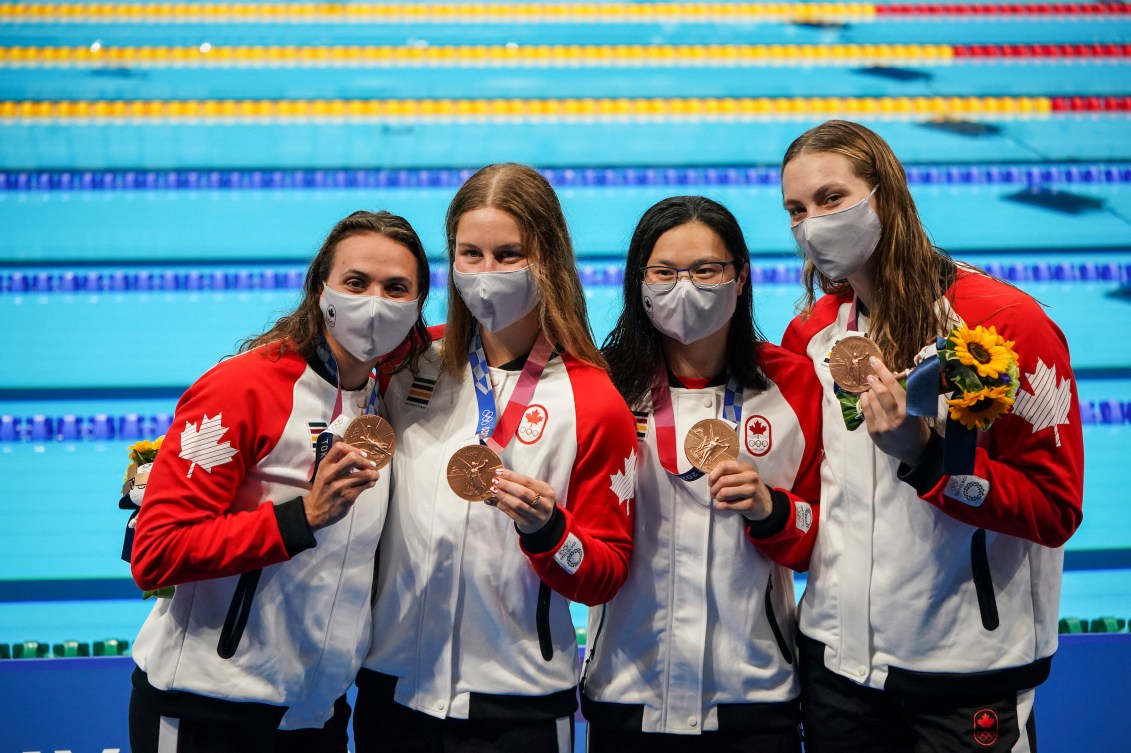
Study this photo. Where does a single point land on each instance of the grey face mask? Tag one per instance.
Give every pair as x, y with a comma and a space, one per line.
840, 243
687, 313
367, 326
498, 299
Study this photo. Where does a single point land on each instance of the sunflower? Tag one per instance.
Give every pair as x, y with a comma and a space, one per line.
145, 451
979, 409
982, 349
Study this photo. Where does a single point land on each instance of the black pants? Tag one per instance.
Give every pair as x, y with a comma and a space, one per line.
600, 739
190, 723
385, 726
840, 715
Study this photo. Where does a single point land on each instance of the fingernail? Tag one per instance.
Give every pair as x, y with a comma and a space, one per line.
873, 360
494, 490
373, 463
871, 378
495, 480
501, 472
363, 453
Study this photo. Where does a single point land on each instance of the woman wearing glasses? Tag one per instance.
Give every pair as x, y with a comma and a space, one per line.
696, 653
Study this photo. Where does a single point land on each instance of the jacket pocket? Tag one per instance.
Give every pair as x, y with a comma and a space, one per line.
983, 580
783, 644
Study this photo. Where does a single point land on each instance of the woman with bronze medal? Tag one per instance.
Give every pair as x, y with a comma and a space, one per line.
932, 602
265, 524
512, 497
696, 651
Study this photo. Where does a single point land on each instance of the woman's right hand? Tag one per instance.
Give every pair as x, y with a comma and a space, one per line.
342, 475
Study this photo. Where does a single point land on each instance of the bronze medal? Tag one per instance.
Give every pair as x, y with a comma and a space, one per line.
848, 363
374, 436
471, 470
710, 442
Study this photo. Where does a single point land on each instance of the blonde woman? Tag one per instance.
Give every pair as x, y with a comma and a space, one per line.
473, 644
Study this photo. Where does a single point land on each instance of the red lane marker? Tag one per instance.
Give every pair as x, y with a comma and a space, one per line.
1090, 104
1006, 9
989, 51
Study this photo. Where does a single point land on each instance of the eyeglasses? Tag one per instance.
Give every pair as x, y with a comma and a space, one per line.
704, 275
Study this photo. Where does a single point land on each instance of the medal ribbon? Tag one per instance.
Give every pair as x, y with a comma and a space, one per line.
665, 419
326, 358
493, 431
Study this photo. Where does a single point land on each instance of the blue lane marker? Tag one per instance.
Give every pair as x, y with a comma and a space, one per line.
104, 427
452, 178
599, 273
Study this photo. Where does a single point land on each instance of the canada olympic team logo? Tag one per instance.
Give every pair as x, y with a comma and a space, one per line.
533, 424
985, 727
758, 436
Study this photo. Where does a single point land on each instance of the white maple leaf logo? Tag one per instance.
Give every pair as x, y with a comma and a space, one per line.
1048, 404
201, 446
624, 481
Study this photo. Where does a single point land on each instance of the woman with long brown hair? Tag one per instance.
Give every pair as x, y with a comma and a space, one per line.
932, 602
513, 493
258, 527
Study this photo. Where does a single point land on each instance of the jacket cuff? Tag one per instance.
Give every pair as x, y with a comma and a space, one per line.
926, 474
546, 537
293, 526
776, 521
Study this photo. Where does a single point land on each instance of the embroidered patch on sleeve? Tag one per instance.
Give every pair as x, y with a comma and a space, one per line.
200, 445
570, 555
970, 490
803, 516
624, 482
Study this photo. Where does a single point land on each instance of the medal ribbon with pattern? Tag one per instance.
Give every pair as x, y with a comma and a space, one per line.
665, 419
493, 431
375, 437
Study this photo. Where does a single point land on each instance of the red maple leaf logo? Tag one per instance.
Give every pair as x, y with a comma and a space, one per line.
534, 417
984, 721
758, 428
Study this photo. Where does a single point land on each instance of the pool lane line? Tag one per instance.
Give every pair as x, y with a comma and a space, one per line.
613, 109
543, 56
599, 272
1034, 174
541, 13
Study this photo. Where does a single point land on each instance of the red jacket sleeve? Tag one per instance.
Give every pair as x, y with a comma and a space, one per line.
592, 535
1031, 460
789, 534
189, 527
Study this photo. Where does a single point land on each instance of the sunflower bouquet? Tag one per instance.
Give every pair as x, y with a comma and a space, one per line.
141, 455
981, 366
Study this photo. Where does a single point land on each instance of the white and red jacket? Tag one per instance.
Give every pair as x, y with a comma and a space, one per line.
928, 583
224, 499
700, 637
458, 630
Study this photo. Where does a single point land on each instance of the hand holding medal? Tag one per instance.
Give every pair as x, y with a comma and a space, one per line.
342, 476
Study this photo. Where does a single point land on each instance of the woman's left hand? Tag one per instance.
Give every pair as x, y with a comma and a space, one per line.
884, 406
738, 486
527, 501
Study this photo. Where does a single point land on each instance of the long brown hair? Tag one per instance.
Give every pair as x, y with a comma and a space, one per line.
299, 329
907, 266
525, 195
